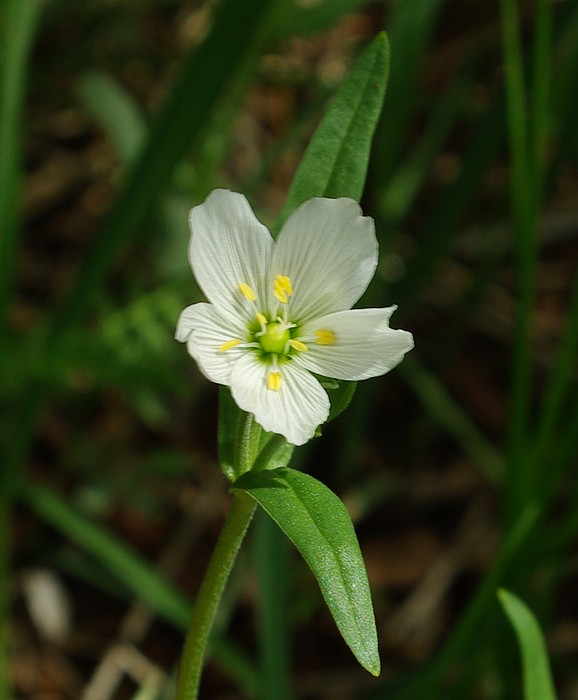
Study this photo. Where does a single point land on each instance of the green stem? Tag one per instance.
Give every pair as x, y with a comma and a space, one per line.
207, 602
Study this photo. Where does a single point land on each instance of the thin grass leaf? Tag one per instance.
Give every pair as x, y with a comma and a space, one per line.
444, 219
132, 571
466, 637
17, 27
524, 210
116, 111
538, 684
444, 409
204, 76
560, 388
298, 18
410, 27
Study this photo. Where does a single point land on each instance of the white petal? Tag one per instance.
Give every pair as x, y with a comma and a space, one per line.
365, 346
229, 247
294, 411
329, 251
205, 331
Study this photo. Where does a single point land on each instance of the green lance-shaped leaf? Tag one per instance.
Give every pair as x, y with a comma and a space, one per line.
335, 162
538, 683
318, 524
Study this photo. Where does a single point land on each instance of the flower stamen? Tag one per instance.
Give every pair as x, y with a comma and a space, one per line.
298, 345
229, 344
282, 288
274, 381
325, 337
247, 291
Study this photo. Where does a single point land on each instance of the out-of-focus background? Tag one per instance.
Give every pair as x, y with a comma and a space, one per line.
458, 468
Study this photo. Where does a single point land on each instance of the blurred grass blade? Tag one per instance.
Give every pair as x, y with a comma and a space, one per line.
125, 565
410, 27
132, 571
559, 389
525, 182
448, 413
303, 18
524, 233
204, 76
538, 683
116, 111
444, 220
540, 124
468, 633
18, 21
403, 186
335, 162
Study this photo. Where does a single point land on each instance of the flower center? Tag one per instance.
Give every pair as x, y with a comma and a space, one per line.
275, 338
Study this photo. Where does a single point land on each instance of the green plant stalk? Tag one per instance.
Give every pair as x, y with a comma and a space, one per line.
520, 487
212, 587
18, 25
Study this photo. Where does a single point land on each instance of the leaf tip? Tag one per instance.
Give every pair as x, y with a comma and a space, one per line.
375, 670
372, 664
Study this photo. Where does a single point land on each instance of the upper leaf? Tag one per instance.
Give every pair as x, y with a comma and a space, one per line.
335, 162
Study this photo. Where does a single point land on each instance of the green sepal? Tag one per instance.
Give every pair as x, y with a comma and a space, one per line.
340, 398
318, 524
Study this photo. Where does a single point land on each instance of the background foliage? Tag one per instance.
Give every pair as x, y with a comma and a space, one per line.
458, 468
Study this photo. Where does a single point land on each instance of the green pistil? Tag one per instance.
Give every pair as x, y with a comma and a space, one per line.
275, 338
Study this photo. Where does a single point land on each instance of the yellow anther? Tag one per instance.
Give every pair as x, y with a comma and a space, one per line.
298, 345
282, 288
274, 381
229, 344
325, 337
247, 291
261, 319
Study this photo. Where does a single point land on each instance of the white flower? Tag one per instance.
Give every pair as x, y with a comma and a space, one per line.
280, 310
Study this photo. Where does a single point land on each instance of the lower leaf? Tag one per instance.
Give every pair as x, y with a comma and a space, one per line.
318, 524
